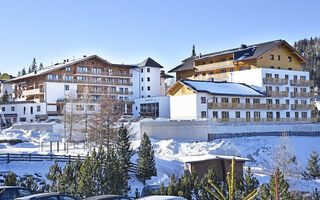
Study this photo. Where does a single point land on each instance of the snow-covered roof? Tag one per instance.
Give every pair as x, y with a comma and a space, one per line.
223, 88
200, 158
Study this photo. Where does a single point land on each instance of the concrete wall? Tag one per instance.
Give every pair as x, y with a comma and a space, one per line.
164, 105
204, 130
183, 107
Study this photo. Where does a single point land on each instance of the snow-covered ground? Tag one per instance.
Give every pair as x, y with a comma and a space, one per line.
170, 153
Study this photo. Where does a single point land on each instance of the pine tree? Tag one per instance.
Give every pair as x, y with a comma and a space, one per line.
265, 193
76, 174
31, 184
40, 66
23, 71
193, 51
5, 97
172, 186
232, 190
316, 195
85, 180
29, 70
112, 183
283, 186
11, 179
313, 168
53, 176
33, 66
163, 190
145, 161
125, 153
210, 176
250, 183
65, 181
19, 73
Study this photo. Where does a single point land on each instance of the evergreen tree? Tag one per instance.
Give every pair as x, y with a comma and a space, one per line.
85, 180
313, 168
172, 186
210, 176
31, 184
283, 186
112, 183
40, 66
19, 73
11, 179
316, 195
53, 176
65, 181
193, 50
265, 193
5, 97
163, 190
250, 183
125, 153
145, 161
23, 72
29, 70
76, 175
33, 66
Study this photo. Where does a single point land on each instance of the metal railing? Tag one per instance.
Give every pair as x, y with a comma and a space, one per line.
302, 82
247, 106
301, 94
302, 106
263, 120
277, 93
275, 81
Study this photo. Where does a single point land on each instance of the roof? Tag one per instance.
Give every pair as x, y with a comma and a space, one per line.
187, 64
149, 62
166, 75
241, 53
223, 88
65, 64
199, 158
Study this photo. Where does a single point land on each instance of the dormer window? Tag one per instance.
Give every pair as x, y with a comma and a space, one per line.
68, 69
271, 57
289, 59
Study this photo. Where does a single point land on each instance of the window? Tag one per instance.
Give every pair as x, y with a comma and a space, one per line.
148, 79
66, 87
110, 71
68, 69
148, 69
277, 101
38, 108
269, 115
24, 110
225, 114
96, 70
237, 114
272, 67
66, 77
271, 57
269, 101
287, 101
241, 68
142, 88
203, 74
95, 79
82, 69
286, 77
296, 115
203, 100
304, 115
248, 115
203, 63
247, 100
304, 102
82, 78
141, 79
276, 76
13, 108
289, 68
211, 73
289, 59
295, 77
148, 88
119, 71
203, 114
288, 114
235, 100
79, 108
256, 100
278, 57
214, 114
256, 115
224, 100
141, 70
278, 115
31, 110
111, 80
53, 77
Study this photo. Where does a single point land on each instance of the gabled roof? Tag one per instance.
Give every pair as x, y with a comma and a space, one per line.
187, 64
200, 158
149, 62
222, 88
66, 63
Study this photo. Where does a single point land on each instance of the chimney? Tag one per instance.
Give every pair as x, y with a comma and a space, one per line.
243, 46
84, 56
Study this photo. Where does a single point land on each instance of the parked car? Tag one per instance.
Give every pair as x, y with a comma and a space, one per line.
109, 197
151, 190
161, 197
48, 196
12, 192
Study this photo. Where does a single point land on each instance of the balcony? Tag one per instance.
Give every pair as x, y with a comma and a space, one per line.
247, 106
301, 94
306, 83
214, 66
106, 92
277, 93
89, 82
278, 81
302, 106
31, 92
104, 74
264, 120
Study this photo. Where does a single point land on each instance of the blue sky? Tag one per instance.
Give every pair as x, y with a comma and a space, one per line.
128, 31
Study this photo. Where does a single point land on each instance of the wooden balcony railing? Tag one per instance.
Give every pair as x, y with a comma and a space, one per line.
301, 94
214, 66
264, 120
89, 82
279, 81
302, 83
247, 106
301, 106
105, 73
277, 93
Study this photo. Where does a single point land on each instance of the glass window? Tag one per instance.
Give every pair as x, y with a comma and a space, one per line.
214, 114
203, 114
225, 114
289, 59
237, 114
203, 100
13, 108
256, 115
148, 79
66, 87
224, 100
271, 57
9, 194
288, 114
38, 108
248, 115
68, 69
148, 88
148, 69
269, 115
278, 57
247, 100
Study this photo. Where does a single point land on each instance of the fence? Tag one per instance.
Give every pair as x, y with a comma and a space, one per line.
11, 157
59, 146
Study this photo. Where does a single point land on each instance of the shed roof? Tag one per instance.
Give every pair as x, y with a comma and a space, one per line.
200, 158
